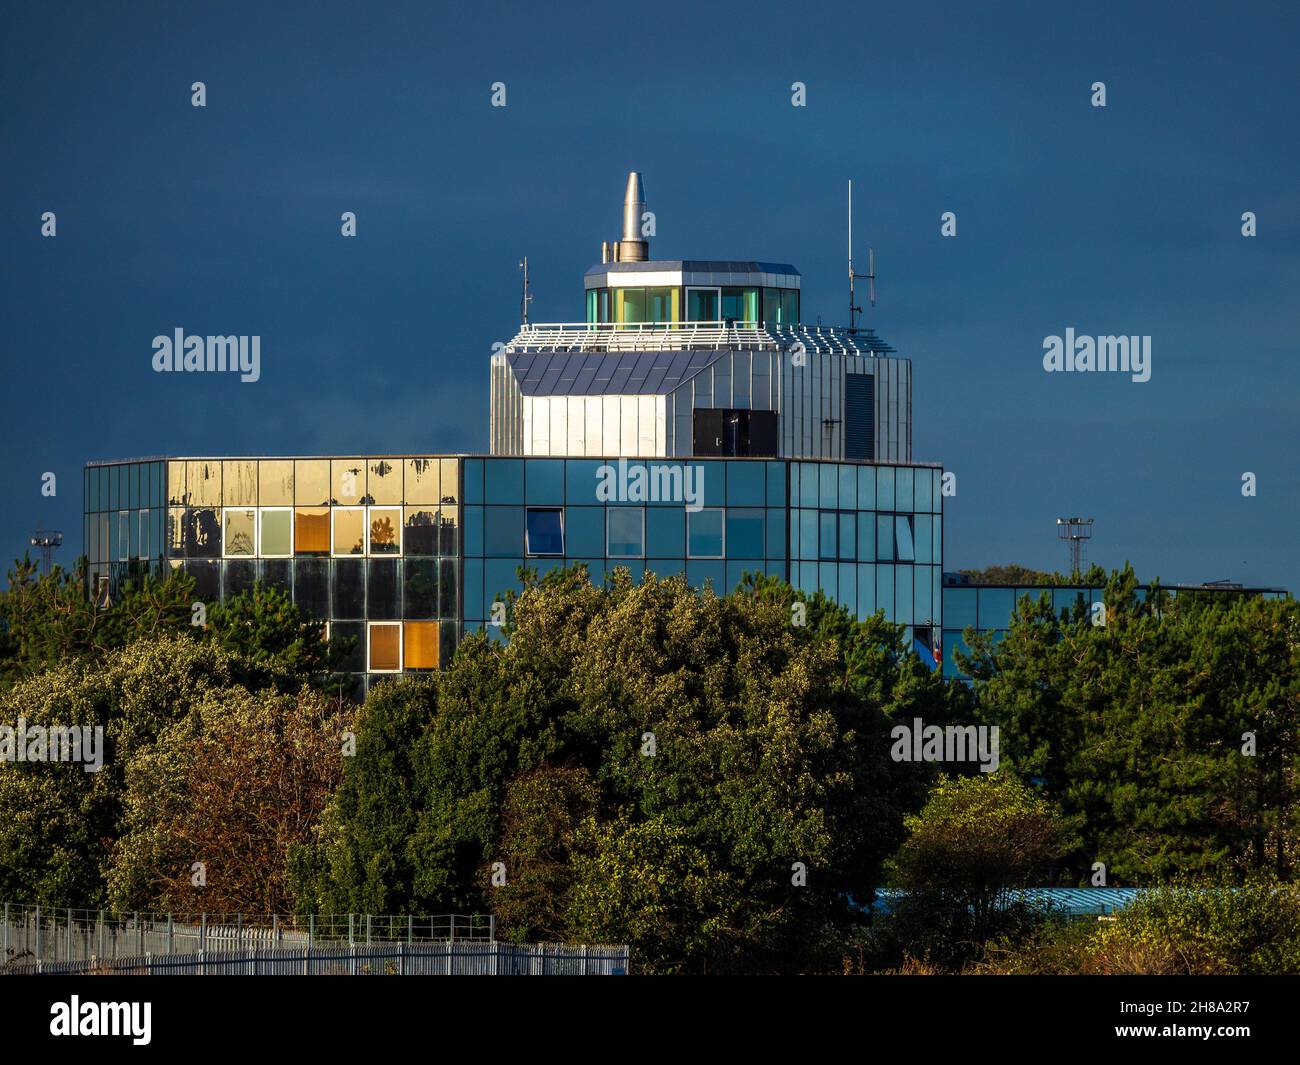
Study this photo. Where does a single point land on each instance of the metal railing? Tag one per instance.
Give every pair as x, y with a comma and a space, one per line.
37, 940
687, 336
32, 934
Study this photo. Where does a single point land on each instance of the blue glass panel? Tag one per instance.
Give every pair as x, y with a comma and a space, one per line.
904, 545
1064, 599
473, 531
736, 572
922, 603
848, 587
473, 474
745, 484
775, 532
473, 590
585, 531
937, 556
903, 479
924, 479
500, 575
504, 480
885, 591
959, 608
699, 572
744, 533
866, 537
828, 579
866, 488
808, 484
829, 481
776, 483
924, 537
996, 606
794, 481
885, 488
808, 534
715, 482
704, 534
826, 521
903, 595
848, 535
503, 532
885, 537
776, 568
545, 479
806, 576
544, 531
666, 567
848, 487
581, 478
665, 532
625, 532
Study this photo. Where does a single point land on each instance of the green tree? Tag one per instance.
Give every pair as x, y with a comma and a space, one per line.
977, 840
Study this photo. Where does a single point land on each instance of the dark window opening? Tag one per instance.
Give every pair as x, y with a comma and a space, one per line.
544, 531
732, 432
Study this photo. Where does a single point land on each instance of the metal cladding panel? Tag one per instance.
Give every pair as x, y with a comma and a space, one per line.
859, 416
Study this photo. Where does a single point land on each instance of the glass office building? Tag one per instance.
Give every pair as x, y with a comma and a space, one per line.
406, 553
692, 424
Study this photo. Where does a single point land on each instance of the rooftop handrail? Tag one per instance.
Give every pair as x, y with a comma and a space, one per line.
650, 336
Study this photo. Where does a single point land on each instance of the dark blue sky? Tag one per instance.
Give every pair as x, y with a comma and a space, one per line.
1121, 220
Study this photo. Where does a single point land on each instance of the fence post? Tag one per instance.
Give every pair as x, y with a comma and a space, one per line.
239, 931
369, 918
39, 955
69, 933
101, 934
311, 930
401, 959
275, 930
139, 933
492, 927
352, 939
410, 928
171, 935
203, 934
5, 957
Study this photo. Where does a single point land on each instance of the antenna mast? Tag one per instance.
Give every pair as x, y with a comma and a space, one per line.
869, 276
525, 297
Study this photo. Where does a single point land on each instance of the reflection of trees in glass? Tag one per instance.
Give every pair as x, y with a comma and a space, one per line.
383, 536
204, 528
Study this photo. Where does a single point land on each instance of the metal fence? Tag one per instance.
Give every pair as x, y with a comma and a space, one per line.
37, 940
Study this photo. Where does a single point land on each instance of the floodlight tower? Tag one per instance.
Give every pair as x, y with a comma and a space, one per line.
47, 540
1078, 531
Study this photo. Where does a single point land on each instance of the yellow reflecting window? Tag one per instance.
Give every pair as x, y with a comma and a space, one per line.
203, 483
348, 481
239, 482
385, 530
385, 480
311, 529
420, 644
450, 478
275, 482
176, 484
422, 481
349, 530
238, 536
385, 648
312, 482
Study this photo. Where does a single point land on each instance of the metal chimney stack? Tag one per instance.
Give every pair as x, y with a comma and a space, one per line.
633, 247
